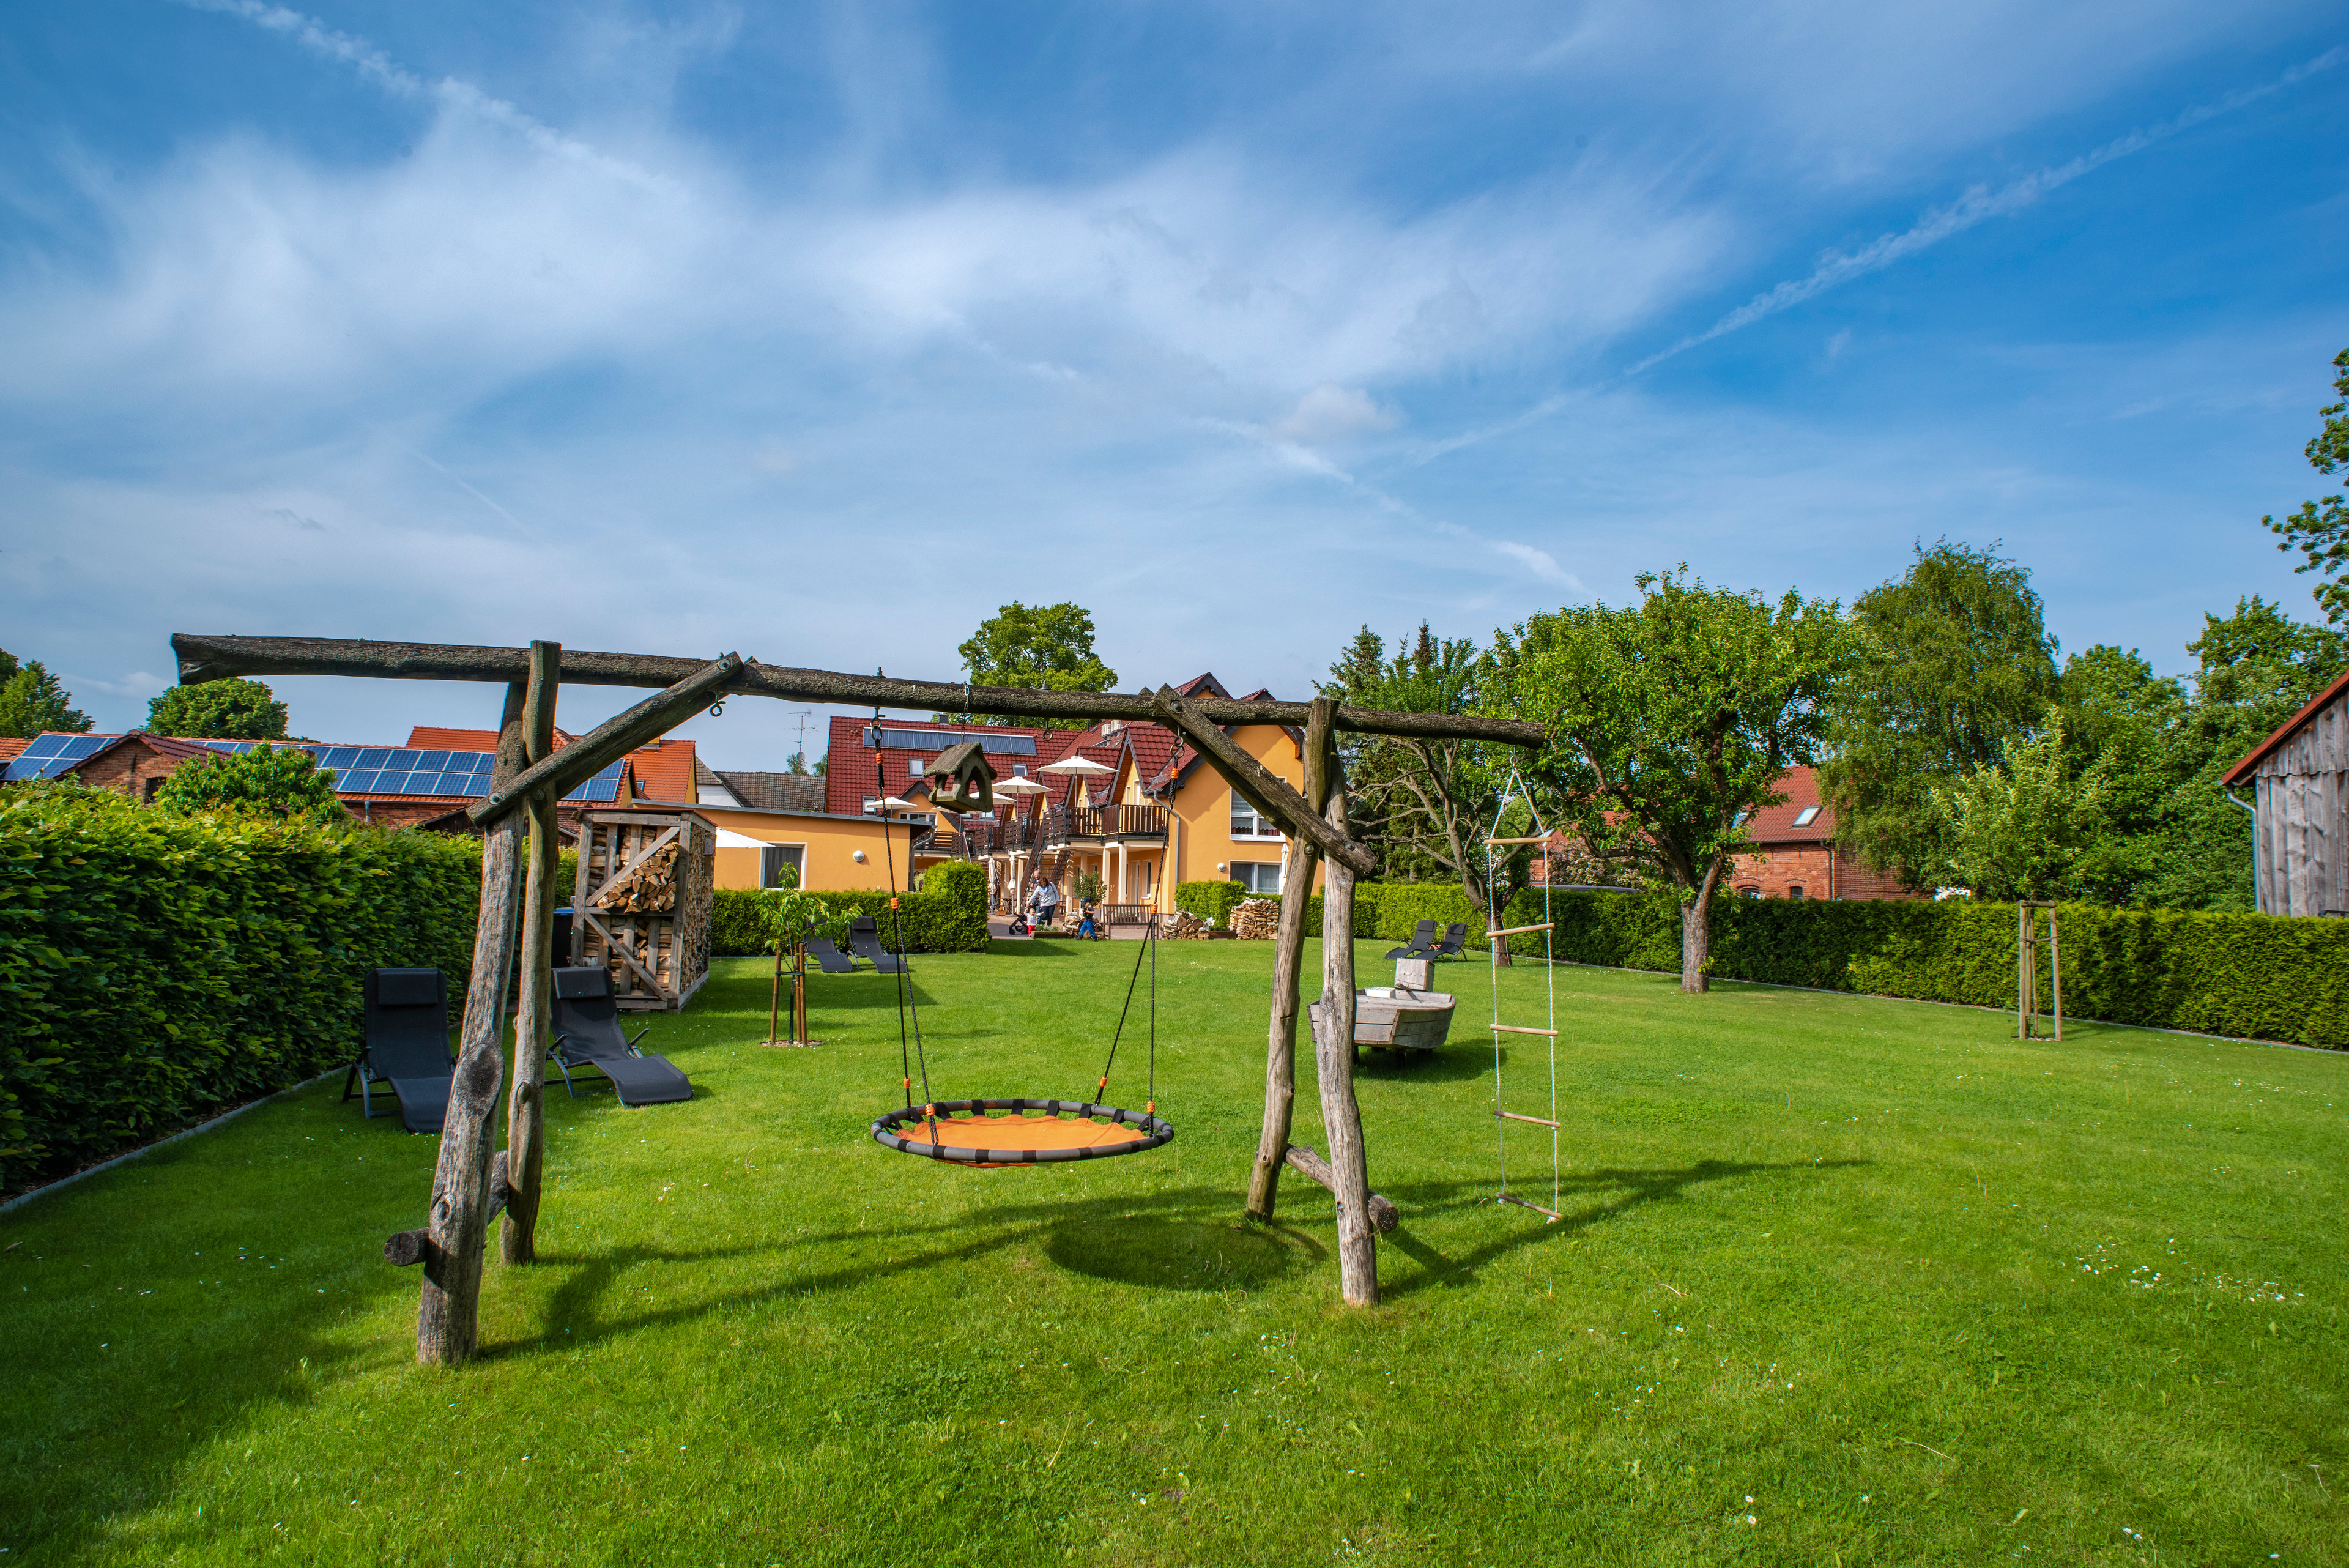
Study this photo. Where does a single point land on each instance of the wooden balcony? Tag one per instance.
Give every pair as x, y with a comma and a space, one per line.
1136, 825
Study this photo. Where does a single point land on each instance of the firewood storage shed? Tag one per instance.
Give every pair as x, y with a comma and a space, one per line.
643, 904
2299, 836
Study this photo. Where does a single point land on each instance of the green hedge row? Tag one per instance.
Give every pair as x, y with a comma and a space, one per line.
948, 915
2254, 976
155, 967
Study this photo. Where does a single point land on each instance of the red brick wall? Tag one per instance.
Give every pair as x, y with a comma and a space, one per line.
133, 771
1776, 870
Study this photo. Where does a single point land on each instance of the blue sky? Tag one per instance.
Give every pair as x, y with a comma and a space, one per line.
818, 332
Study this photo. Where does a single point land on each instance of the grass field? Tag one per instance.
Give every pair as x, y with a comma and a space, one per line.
1842, 1281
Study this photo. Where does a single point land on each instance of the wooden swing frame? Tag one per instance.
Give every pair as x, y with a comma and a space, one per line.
517, 910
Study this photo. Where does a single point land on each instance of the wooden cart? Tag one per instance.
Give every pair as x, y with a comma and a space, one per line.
1389, 1018
643, 904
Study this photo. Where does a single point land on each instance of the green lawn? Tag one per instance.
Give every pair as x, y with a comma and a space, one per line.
1842, 1280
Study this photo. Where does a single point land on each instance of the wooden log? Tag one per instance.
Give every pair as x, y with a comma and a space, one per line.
1262, 788
1519, 931
1333, 1043
447, 1315
608, 742
1288, 948
1384, 1217
215, 658
534, 1030
1522, 1029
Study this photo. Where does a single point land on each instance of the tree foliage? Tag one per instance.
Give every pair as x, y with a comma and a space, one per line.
231, 709
1672, 721
32, 700
2320, 529
1426, 803
268, 781
1045, 646
1952, 661
2020, 827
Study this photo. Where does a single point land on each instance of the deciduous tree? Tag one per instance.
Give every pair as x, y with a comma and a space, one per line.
232, 709
1952, 661
2320, 529
1674, 720
1045, 646
33, 701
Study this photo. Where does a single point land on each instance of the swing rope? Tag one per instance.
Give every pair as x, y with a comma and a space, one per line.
897, 923
1149, 950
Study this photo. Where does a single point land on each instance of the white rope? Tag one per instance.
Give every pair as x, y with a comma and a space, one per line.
1517, 786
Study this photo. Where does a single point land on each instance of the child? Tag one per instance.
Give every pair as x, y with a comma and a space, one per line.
1085, 923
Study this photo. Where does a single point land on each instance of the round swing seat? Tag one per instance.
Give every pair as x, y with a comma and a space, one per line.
963, 1132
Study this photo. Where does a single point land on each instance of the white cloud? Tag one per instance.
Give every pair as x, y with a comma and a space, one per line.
1332, 413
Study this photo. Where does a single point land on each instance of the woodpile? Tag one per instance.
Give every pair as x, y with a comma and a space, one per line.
650, 887
1255, 919
1185, 925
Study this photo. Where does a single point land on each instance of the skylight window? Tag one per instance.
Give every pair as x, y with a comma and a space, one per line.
1806, 817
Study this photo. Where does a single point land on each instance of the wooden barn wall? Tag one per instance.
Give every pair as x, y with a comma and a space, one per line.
2303, 832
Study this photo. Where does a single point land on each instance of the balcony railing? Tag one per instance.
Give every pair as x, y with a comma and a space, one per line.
1138, 823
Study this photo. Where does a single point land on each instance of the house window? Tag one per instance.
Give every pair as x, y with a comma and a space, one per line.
1795, 892
1258, 876
872, 805
780, 864
1019, 770
1246, 823
1749, 892
1807, 817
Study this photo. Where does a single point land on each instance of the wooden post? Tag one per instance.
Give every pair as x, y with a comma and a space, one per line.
458, 1223
2055, 970
534, 1030
1289, 946
1333, 1041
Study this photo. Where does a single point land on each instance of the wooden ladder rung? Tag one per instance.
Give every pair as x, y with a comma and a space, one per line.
1512, 1197
1520, 930
1518, 1029
1497, 843
1516, 1116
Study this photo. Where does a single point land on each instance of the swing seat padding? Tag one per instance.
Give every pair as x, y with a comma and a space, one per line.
961, 1131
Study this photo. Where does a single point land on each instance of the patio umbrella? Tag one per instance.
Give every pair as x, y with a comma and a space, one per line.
1017, 787
1083, 767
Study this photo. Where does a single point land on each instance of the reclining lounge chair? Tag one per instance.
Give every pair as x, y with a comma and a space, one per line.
1422, 944
864, 941
1455, 937
587, 1035
821, 949
407, 1046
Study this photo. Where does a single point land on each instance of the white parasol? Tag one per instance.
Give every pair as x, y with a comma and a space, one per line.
1077, 766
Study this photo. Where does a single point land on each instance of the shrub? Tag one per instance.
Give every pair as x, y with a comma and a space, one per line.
1210, 900
154, 968
948, 915
2256, 976
268, 781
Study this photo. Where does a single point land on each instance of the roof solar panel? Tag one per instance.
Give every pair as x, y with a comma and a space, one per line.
45, 745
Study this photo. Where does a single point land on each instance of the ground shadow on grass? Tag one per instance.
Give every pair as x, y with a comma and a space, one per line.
1025, 948
1585, 1199
1454, 1063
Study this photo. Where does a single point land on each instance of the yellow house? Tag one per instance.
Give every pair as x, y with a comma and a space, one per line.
825, 853
1158, 816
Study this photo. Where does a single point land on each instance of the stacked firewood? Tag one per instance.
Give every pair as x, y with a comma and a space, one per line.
650, 889
1255, 919
1185, 925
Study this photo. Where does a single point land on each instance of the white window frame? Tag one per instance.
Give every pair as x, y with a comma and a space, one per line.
766, 868
1260, 832
1253, 881
1807, 817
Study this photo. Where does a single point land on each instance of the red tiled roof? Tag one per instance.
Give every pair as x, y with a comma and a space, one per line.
2284, 731
10, 745
663, 770
1776, 824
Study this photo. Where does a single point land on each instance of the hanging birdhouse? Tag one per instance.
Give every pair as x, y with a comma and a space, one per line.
962, 779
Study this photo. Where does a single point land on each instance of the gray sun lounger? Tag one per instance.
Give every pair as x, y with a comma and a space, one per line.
1455, 937
1422, 944
864, 941
407, 1046
587, 1035
834, 960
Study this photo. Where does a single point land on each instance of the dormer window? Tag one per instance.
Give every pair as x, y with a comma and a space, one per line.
1806, 817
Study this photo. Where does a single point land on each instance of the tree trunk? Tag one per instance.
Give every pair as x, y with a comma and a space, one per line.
1341, 1114
534, 1030
1280, 1048
447, 1315
1696, 943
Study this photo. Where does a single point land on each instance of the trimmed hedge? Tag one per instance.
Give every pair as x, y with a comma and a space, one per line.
948, 915
155, 967
2261, 977
1210, 900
